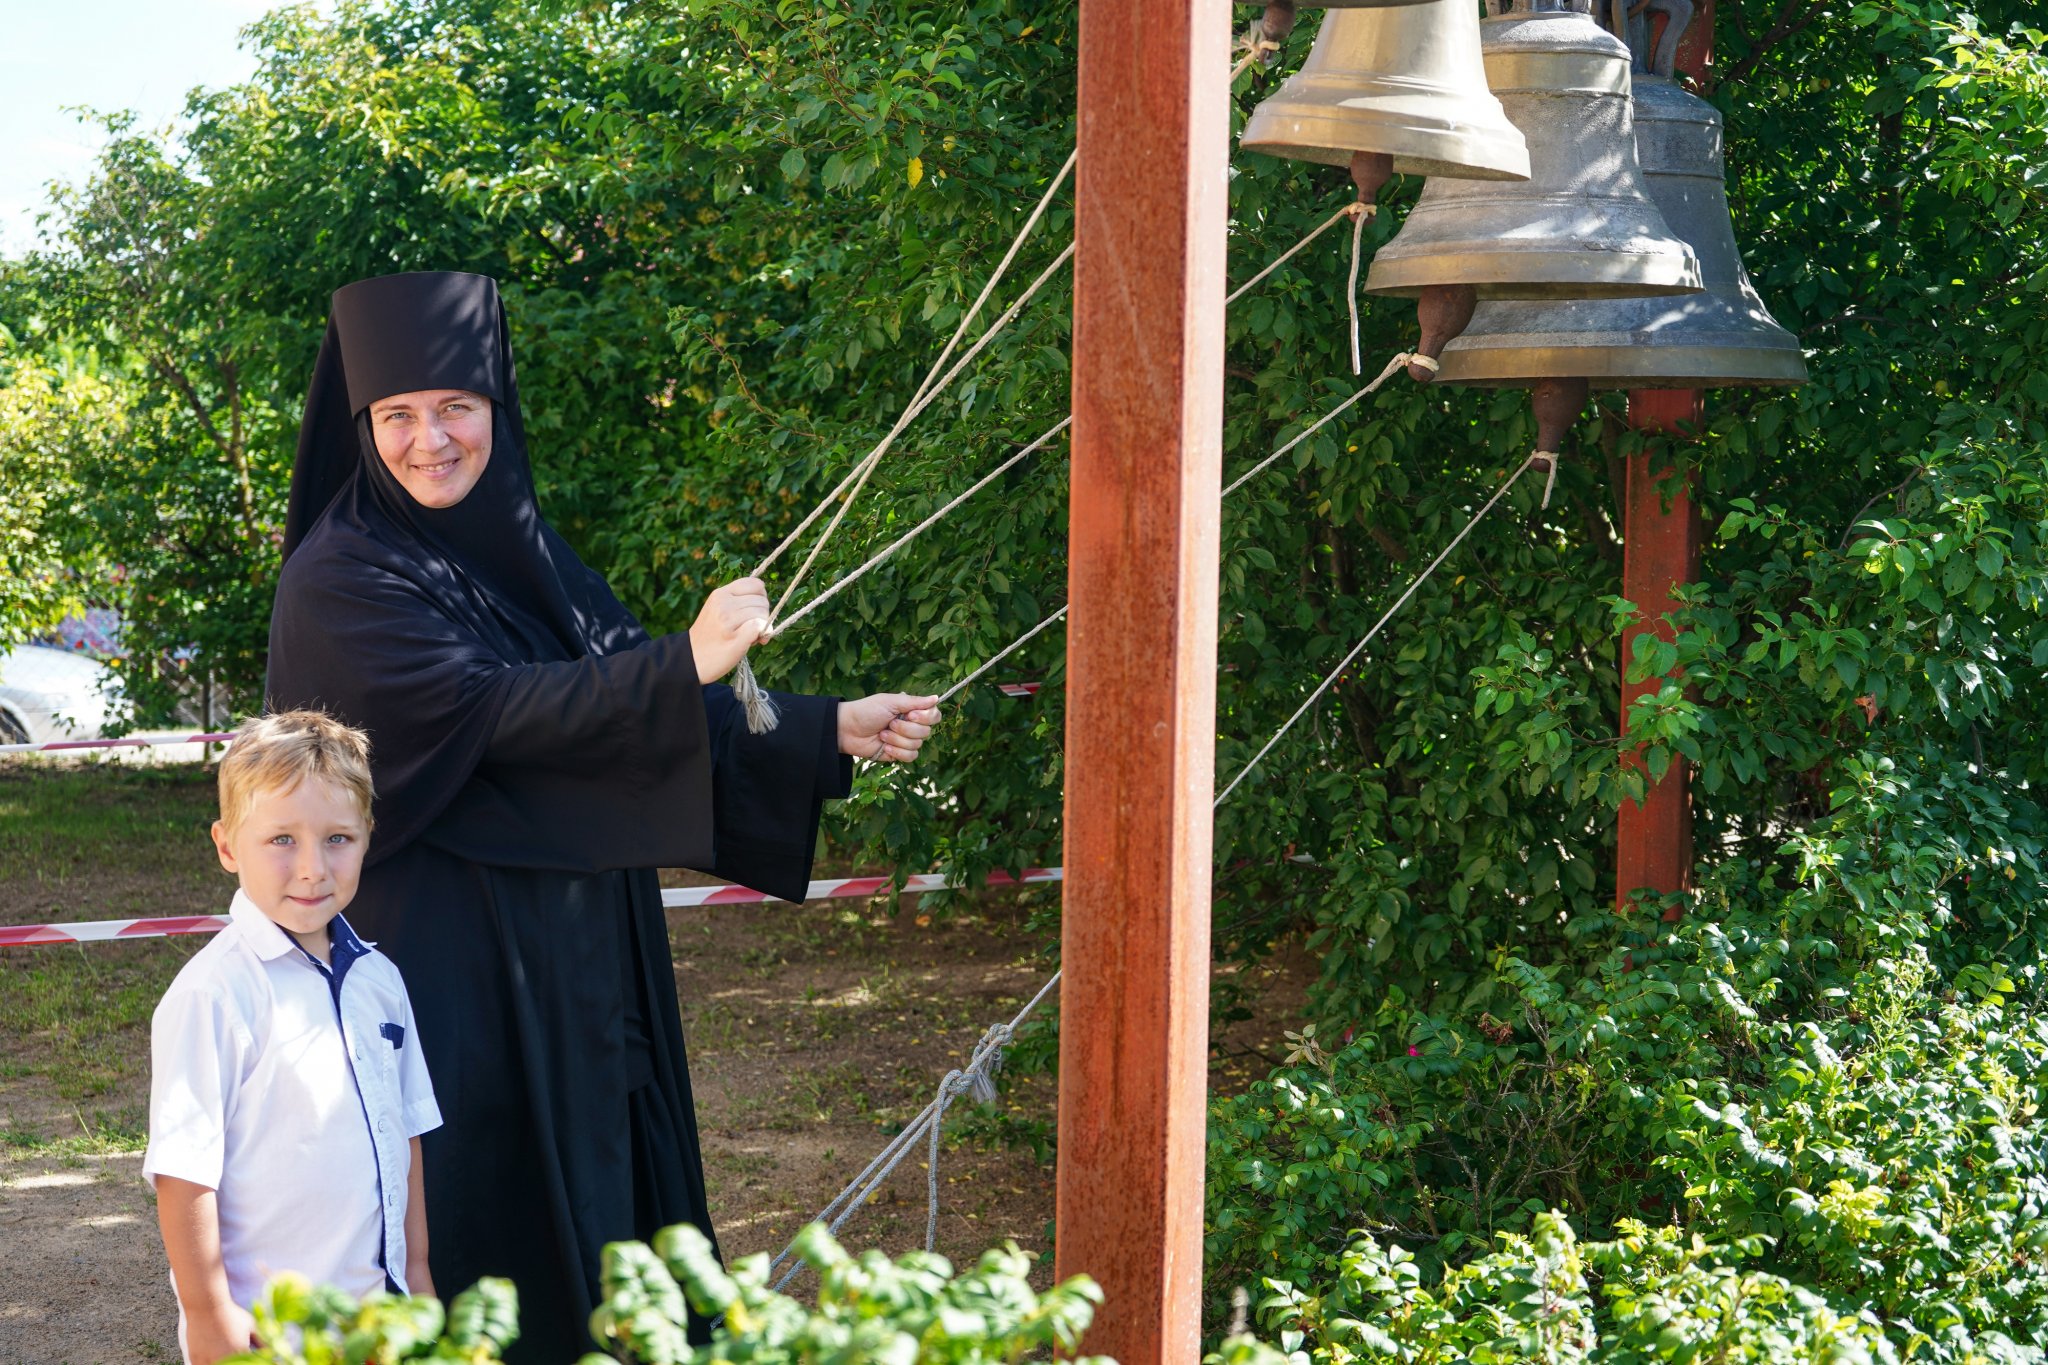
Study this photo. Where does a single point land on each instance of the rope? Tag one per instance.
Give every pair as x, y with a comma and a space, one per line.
914, 532
1385, 617
746, 686
754, 700
924, 398
977, 1076
974, 1078
1361, 214
1284, 257
1392, 366
960, 331
1006, 652
1256, 50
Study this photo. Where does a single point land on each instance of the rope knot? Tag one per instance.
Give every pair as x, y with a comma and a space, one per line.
987, 1061
1550, 459
762, 713
1358, 210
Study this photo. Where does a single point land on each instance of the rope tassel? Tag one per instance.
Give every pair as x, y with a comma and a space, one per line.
759, 706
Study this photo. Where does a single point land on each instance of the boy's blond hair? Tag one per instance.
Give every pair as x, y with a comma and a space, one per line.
277, 752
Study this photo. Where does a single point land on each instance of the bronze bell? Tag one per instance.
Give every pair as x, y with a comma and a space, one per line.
1406, 83
1582, 225
1722, 336
1278, 21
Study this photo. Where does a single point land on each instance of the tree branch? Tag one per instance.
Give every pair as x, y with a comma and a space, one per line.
1873, 499
1783, 27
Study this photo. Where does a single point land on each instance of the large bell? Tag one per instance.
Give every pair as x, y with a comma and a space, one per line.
1405, 82
1722, 336
1582, 225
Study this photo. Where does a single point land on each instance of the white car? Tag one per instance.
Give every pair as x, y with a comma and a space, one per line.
51, 694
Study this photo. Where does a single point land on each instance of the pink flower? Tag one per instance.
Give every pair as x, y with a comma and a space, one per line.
1414, 1052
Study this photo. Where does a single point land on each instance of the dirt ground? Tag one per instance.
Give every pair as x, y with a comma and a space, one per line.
814, 1031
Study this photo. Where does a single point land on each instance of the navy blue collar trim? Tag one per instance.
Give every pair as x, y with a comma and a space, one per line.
344, 950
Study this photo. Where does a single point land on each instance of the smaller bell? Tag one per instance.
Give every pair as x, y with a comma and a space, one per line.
1722, 336
1582, 225
1407, 83
1278, 21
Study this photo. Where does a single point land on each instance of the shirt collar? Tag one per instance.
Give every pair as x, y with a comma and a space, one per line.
343, 938
259, 930
270, 941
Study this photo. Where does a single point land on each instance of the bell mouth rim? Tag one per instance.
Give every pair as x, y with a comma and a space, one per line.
1418, 147
1539, 274
1641, 366
1405, 162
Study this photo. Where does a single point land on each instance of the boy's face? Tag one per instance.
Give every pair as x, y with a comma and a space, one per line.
298, 854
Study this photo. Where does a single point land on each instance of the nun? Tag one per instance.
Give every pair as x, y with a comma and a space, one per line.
537, 755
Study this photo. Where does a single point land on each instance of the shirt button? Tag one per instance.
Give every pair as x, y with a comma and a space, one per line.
383, 1125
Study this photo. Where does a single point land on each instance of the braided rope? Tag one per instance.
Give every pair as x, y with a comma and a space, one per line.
1385, 617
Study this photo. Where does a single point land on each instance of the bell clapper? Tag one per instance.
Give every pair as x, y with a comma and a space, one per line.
1443, 312
1272, 30
1557, 404
1369, 171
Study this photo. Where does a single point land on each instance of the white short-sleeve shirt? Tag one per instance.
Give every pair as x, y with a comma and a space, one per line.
292, 1089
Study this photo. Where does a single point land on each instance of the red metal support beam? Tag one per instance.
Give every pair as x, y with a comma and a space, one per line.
1141, 665
1661, 549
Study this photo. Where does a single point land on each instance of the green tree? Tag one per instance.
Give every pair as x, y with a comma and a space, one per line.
57, 423
374, 139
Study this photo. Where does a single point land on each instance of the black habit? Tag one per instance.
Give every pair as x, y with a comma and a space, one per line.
536, 756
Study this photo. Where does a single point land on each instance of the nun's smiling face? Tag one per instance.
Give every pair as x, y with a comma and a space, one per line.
435, 443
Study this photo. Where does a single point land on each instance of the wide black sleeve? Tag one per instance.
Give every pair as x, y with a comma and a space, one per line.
597, 725
769, 791
590, 765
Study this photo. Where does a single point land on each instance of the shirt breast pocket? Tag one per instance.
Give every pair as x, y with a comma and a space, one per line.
380, 1063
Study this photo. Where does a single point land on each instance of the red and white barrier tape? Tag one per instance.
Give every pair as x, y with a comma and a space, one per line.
61, 744
839, 888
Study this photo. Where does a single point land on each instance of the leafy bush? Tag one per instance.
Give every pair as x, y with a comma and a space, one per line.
911, 1311
1896, 1158
298, 1323
1660, 1297
1860, 1138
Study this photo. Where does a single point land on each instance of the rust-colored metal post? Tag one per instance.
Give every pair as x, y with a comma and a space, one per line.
1141, 665
1661, 549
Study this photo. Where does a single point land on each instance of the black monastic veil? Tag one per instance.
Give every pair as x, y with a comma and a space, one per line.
536, 756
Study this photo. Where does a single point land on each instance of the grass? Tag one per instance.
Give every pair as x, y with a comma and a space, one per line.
102, 842
104, 1137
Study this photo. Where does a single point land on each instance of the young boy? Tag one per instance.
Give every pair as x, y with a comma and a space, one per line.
287, 1093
